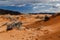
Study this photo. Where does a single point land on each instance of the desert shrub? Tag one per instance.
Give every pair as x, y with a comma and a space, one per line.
14, 25
46, 18
17, 25
55, 15
9, 27
12, 19
39, 17
17, 17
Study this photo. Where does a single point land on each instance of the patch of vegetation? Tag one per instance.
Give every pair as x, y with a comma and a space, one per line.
46, 18
14, 25
39, 17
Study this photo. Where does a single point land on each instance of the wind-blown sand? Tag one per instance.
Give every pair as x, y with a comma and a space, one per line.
35, 30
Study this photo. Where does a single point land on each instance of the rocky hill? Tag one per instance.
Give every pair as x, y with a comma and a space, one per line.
3, 12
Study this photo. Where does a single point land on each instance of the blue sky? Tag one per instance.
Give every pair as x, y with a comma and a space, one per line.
31, 6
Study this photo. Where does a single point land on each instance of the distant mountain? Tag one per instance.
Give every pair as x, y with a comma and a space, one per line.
34, 8
41, 13
13, 8
23, 9
3, 12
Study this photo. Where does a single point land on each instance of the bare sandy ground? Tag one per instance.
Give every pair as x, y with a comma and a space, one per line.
35, 29
46, 33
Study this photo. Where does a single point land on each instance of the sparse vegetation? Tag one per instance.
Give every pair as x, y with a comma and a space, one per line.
46, 18
39, 17
14, 25
32, 28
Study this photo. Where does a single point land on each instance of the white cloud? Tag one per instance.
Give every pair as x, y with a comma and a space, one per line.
21, 5
38, 5
58, 5
48, 7
16, 2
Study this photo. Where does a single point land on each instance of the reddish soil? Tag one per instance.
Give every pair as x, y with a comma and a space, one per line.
35, 29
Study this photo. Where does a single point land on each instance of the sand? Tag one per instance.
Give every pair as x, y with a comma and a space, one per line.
35, 29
